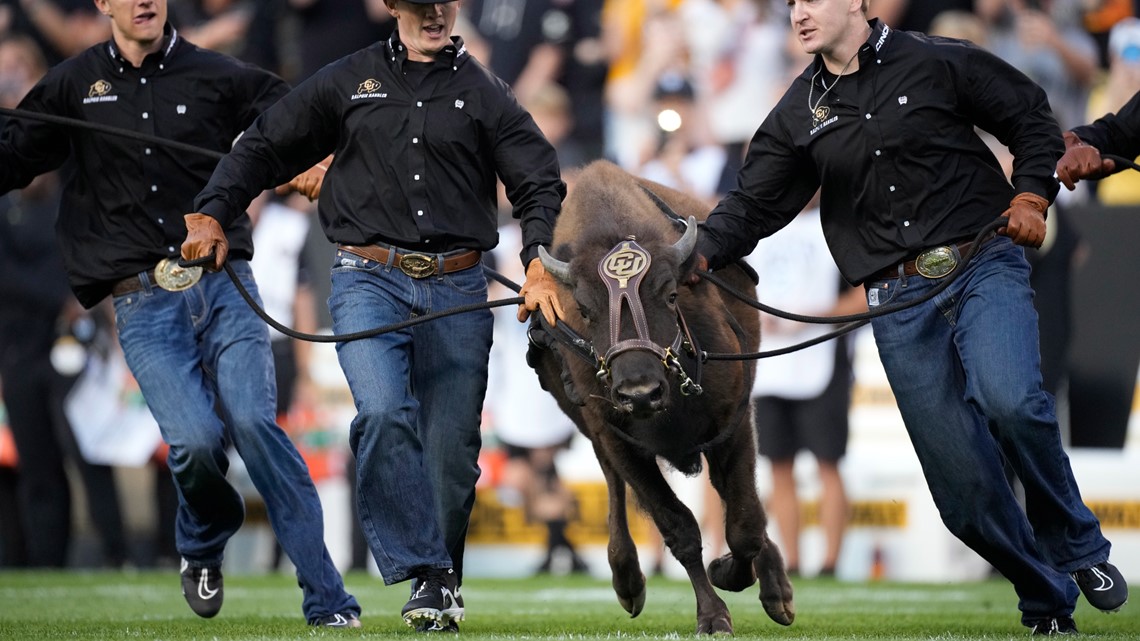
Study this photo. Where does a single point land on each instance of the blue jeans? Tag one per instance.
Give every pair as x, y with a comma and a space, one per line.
419, 395
965, 369
203, 349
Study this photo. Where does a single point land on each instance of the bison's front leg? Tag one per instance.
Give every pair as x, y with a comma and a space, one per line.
628, 580
732, 471
678, 527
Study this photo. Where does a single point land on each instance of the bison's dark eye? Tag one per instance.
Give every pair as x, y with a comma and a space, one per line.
585, 312
672, 299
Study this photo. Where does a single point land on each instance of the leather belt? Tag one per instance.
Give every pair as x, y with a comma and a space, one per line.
132, 284
935, 262
414, 264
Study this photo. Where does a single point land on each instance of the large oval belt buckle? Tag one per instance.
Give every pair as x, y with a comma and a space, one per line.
172, 277
936, 262
417, 265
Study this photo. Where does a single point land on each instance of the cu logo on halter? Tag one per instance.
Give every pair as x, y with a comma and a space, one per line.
625, 263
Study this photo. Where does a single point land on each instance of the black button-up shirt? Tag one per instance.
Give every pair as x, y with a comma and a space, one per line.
122, 209
415, 166
896, 153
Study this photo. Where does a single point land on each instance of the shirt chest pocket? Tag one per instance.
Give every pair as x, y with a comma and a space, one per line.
455, 125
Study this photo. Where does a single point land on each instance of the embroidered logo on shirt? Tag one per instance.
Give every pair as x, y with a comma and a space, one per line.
369, 89
181, 109
98, 92
458, 104
902, 100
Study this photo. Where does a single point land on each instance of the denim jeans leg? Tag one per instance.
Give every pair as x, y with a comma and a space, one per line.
158, 337
999, 346
395, 495
235, 347
962, 462
449, 377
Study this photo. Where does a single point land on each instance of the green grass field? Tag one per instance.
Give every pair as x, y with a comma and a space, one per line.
148, 605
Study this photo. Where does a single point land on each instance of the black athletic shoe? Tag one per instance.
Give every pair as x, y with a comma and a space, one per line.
435, 626
1103, 586
1054, 625
202, 587
344, 619
435, 599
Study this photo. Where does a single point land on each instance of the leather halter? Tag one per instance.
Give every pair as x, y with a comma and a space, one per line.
622, 270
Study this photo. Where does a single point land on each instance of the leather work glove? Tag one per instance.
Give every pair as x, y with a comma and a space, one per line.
307, 183
205, 236
1026, 220
1081, 161
540, 292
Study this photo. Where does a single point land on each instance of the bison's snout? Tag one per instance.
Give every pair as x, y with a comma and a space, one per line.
642, 399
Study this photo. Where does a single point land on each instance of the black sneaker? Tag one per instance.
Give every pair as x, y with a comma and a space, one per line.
202, 587
1054, 625
435, 626
434, 600
344, 619
1103, 586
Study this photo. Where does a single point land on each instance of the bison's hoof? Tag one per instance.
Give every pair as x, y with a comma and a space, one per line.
635, 605
727, 573
721, 624
780, 611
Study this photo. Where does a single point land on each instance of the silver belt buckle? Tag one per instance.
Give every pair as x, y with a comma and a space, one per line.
936, 262
418, 265
172, 277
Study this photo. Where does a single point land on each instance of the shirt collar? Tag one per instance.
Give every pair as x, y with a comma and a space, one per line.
881, 34
169, 39
455, 53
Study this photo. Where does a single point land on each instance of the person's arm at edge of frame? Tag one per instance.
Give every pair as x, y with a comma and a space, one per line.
29, 148
1114, 133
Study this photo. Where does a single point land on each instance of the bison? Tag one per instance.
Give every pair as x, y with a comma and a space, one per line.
625, 365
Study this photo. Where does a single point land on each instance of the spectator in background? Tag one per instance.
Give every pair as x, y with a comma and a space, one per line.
801, 400
1044, 42
332, 29
685, 155
41, 355
643, 38
737, 68
915, 15
61, 28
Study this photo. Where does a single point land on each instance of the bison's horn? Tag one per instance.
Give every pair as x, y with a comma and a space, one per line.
688, 241
556, 268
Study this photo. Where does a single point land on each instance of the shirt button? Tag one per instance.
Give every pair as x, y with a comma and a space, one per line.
416, 177
161, 221
878, 153
142, 80
868, 116
892, 187
419, 104
145, 115
415, 141
170, 249
906, 223
147, 151
154, 187
420, 212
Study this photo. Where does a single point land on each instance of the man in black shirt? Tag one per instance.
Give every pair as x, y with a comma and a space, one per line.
883, 121
194, 349
419, 131
1117, 134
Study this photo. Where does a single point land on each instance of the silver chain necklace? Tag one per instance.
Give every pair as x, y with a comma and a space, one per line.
818, 113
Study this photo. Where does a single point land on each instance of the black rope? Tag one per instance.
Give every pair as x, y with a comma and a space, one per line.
853, 321
113, 131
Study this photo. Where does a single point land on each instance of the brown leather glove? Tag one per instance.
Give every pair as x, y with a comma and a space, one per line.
205, 236
1081, 161
540, 292
307, 183
1026, 219
701, 266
